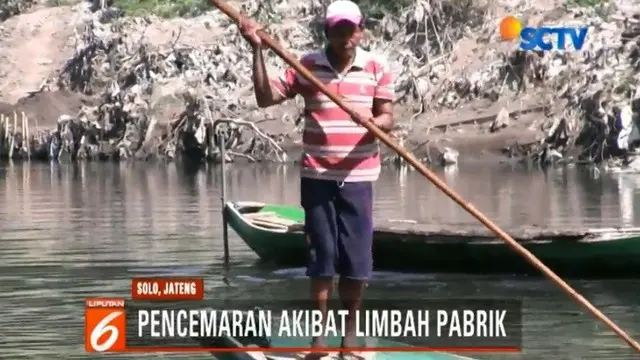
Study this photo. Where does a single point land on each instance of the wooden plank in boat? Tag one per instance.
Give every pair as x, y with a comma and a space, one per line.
272, 223
478, 231
462, 231
297, 227
268, 225
274, 220
527, 233
469, 230
259, 215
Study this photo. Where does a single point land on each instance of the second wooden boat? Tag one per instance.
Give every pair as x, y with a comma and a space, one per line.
275, 234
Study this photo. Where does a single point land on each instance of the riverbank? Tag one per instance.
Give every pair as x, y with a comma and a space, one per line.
140, 88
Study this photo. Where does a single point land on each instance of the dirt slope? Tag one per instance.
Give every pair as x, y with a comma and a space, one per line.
32, 46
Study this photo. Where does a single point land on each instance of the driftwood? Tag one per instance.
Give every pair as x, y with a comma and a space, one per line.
151, 101
157, 99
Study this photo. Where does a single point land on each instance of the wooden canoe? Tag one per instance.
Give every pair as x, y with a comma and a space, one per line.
275, 234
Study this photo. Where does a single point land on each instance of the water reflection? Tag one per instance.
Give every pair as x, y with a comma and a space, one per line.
157, 214
145, 213
628, 188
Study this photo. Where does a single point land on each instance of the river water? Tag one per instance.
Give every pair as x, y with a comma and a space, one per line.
69, 232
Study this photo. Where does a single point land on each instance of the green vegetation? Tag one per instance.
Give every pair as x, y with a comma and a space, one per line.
54, 3
375, 9
9, 8
602, 8
187, 8
163, 8
588, 3
379, 8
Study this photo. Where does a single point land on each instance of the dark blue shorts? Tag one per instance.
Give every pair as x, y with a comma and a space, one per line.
338, 227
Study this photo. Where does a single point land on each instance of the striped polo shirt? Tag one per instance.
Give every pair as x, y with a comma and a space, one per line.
334, 146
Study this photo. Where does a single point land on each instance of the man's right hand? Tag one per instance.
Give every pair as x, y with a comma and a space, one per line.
249, 30
365, 114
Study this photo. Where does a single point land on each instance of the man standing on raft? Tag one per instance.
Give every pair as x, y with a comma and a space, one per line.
340, 157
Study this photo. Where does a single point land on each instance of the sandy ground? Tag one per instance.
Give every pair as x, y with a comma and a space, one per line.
32, 47
35, 45
43, 109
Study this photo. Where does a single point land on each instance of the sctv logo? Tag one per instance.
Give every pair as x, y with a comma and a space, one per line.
542, 38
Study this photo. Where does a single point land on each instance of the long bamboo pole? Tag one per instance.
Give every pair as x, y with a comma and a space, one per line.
289, 59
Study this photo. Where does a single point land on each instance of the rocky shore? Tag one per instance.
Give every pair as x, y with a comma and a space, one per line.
78, 82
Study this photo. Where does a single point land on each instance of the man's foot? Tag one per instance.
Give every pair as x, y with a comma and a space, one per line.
317, 342
350, 342
349, 355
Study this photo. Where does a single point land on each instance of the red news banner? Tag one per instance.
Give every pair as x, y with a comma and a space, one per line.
105, 318
167, 289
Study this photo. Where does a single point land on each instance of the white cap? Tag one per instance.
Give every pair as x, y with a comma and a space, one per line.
343, 10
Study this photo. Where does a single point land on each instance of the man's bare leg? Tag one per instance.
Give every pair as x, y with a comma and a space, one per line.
320, 293
351, 292
354, 207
